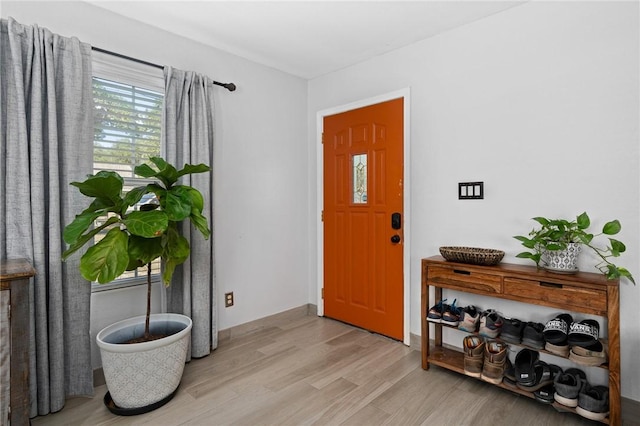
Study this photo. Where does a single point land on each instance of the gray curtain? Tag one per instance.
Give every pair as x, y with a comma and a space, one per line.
46, 137
188, 138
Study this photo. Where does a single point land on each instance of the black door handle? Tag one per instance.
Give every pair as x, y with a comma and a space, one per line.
396, 221
395, 239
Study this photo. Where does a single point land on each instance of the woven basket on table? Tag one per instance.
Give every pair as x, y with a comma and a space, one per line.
472, 255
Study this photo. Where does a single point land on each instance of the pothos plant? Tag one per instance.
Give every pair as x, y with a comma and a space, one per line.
555, 234
136, 237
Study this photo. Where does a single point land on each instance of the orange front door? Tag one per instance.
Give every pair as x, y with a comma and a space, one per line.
363, 193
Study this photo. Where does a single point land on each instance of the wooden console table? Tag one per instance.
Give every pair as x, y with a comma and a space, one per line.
14, 334
582, 292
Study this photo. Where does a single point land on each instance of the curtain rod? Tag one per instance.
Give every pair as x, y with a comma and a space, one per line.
229, 86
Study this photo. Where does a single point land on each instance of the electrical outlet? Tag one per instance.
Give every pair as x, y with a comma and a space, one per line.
228, 299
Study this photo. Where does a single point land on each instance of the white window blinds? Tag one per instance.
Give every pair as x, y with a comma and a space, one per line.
127, 126
128, 101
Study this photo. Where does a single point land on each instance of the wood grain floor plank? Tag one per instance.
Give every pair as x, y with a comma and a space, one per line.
316, 371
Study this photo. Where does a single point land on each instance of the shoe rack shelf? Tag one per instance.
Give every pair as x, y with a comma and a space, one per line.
582, 292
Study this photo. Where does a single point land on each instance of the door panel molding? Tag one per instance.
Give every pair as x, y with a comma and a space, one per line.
405, 95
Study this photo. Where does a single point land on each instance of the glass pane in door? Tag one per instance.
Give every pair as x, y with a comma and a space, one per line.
359, 162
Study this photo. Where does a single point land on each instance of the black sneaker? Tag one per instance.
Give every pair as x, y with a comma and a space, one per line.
436, 311
544, 394
532, 335
512, 330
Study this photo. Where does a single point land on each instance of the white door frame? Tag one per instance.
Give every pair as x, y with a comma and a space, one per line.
406, 208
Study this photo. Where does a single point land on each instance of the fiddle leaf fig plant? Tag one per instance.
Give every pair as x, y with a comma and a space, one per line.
555, 234
136, 238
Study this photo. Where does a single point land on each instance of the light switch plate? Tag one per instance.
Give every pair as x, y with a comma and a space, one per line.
471, 190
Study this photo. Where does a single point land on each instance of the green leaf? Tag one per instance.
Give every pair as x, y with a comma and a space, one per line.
80, 224
555, 246
528, 243
625, 273
201, 223
533, 256
197, 201
617, 247
191, 169
541, 220
147, 224
144, 250
132, 197
177, 203
585, 238
176, 251
106, 260
144, 170
100, 205
105, 185
83, 239
583, 221
612, 228
166, 172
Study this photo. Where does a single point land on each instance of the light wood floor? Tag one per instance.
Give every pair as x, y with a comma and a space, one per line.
318, 371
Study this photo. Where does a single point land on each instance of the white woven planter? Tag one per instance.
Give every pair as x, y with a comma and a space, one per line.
141, 374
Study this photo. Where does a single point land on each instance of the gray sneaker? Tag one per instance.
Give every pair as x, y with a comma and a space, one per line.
593, 402
568, 385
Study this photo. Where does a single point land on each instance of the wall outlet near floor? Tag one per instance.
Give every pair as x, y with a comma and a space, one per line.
228, 299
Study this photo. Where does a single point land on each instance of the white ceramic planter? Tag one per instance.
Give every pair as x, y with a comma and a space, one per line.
563, 261
141, 374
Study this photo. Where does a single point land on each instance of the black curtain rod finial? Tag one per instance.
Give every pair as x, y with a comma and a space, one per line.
229, 86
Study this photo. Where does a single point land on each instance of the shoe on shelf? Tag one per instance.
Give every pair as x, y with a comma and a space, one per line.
532, 335
509, 377
451, 314
490, 324
559, 349
469, 319
525, 360
495, 361
473, 347
593, 355
584, 333
556, 331
543, 375
593, 402
568, 385
512, 330
436, 311
544, 394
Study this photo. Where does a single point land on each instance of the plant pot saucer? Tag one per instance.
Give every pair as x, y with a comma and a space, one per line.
560, 271
108, 402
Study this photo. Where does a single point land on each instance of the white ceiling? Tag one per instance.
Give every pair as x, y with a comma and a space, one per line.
306, 38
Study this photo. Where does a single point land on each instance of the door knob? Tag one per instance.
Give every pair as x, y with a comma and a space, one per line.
395, 239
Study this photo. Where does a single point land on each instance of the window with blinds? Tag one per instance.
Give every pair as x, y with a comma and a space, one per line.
127, 126
127, 116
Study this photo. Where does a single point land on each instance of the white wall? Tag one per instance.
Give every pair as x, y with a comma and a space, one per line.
260, 169
541, 103
491, 101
